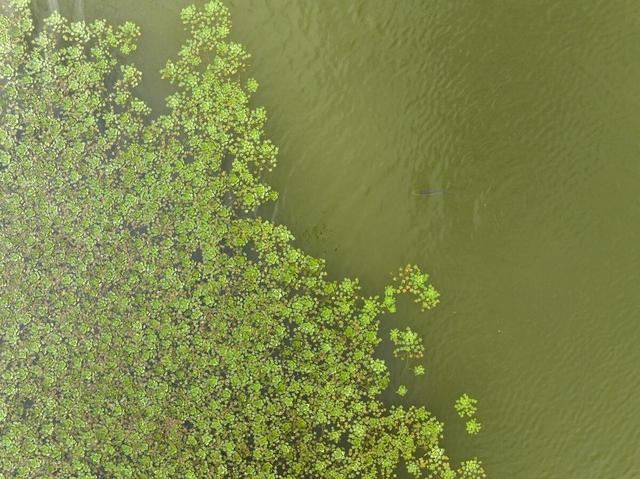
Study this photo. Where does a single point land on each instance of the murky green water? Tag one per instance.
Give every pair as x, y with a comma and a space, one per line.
528, 113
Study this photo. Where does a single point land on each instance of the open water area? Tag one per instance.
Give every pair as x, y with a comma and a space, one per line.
527, 115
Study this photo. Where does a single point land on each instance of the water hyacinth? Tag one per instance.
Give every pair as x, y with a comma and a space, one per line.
151, 327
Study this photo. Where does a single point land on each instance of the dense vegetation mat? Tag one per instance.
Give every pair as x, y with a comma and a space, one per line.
150, 326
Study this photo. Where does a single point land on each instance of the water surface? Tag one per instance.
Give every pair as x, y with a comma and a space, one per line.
528, 115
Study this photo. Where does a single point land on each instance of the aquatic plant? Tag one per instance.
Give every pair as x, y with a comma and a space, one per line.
473, 426
407, 344
466, 406
149, 325
411, 279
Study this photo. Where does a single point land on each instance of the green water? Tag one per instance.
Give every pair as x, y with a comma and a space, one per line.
528, 113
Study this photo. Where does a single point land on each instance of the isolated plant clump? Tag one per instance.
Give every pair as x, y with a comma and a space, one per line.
149, 326
467, 407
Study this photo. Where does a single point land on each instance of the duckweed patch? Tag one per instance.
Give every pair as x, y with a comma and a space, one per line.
151, 327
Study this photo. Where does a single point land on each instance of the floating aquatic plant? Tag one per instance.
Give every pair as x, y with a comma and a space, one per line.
408, 344
473, 426
150, 326
402, 390
466, 406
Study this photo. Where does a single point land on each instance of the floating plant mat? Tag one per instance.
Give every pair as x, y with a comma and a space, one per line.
149, 325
